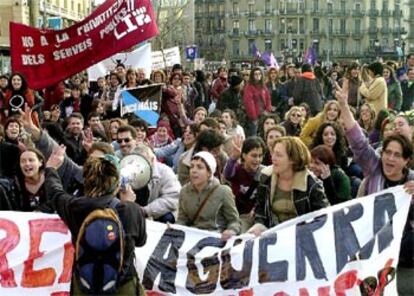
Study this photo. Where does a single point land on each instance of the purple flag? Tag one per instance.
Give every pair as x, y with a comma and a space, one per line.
310, 56
269, 59
256, 53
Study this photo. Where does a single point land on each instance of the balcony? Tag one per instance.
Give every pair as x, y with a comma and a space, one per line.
269, 13
358, 12
357, 34
386, 13
316, 33
399, 31
341, 33
373, 12
235, 33
235, 14
316, 12
385, 30
397, 13
251, 33
372, 31
268, 33
59, 11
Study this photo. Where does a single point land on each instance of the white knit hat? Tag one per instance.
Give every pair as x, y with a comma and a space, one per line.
209, 159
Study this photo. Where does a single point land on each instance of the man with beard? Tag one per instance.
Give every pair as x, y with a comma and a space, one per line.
73, 139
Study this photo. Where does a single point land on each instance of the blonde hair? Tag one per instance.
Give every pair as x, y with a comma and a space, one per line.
326, 107
291, 110
297, 152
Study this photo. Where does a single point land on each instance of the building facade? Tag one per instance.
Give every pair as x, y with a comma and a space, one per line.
338, 29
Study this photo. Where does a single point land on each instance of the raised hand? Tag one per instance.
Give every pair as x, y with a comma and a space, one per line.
87, 139
26, 116
341, 93
236, 146
56, 158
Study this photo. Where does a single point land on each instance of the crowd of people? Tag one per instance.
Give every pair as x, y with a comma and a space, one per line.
235, 151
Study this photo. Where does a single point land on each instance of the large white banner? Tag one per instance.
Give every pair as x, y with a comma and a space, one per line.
166, 58
139, 58
346, 249
342, 250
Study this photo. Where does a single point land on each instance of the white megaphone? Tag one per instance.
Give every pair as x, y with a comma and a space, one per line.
135, 171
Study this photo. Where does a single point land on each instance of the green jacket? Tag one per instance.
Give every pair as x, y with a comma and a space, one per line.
219, 213
337, 186
394, 96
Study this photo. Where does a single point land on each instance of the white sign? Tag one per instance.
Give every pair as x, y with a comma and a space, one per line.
166, 58
139, 58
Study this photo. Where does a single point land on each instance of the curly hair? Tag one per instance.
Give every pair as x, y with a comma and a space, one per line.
339, 148
101, 177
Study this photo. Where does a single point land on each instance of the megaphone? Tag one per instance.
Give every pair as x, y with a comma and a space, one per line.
135, 171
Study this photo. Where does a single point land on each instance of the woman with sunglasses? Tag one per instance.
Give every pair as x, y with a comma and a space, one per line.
293, 121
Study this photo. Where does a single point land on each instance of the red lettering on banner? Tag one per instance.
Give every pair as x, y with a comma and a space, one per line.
7, 244
344, 282
67, 263
60, 294
281, 294
246, 293
303, 292
153, 293
324, 291
44, 277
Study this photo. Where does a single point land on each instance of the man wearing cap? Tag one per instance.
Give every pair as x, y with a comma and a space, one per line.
231, 97
308, 90
374, 87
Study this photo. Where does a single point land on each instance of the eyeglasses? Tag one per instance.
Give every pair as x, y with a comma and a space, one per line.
126, 140
395, 155
297, 115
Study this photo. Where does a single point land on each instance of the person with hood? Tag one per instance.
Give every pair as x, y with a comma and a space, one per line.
307, 89
374, 87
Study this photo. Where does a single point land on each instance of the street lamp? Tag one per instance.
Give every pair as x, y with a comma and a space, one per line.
377, 46
403, 47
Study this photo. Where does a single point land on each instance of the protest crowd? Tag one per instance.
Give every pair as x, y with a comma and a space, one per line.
234, 151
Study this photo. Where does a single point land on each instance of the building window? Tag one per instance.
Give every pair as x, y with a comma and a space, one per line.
358, 6
221, 9
268, 7
268, 25
221, 24
342, 26
330, 7
302, 26
251, 26
282, 26
385, 5
343, 46
282, 44
316, 5
357, 26
343, 5
251, 8
373, 4
235, 7
236, 26
315, 25
268, 45
301, 45
330, 26
236, 47
251, 42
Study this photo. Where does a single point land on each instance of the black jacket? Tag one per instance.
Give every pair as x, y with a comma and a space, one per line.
311, 199
408, 96
74, 210
308, 91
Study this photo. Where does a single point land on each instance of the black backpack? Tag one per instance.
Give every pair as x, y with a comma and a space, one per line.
100, 251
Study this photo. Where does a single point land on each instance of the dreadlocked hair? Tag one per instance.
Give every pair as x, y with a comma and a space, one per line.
101, 177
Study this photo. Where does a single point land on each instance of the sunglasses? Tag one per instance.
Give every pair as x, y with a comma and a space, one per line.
126, 140
297, 115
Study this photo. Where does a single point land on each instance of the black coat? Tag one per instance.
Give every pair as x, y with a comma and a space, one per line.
408, 95
312, 199
308, 91
74, 210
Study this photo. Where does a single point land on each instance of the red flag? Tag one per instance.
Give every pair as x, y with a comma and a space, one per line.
46, 57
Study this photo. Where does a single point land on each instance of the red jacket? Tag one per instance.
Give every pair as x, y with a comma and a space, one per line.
219, 85
252, 96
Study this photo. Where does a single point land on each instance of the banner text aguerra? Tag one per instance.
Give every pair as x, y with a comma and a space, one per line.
46, 57
348, 249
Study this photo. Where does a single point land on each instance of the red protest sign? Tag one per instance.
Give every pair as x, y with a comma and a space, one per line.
46, 57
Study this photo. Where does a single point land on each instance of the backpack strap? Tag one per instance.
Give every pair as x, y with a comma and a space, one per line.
203, 204
114, 203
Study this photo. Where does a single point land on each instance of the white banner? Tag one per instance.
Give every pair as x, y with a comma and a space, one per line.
36, 255
166, 58
334, 251
139, 58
